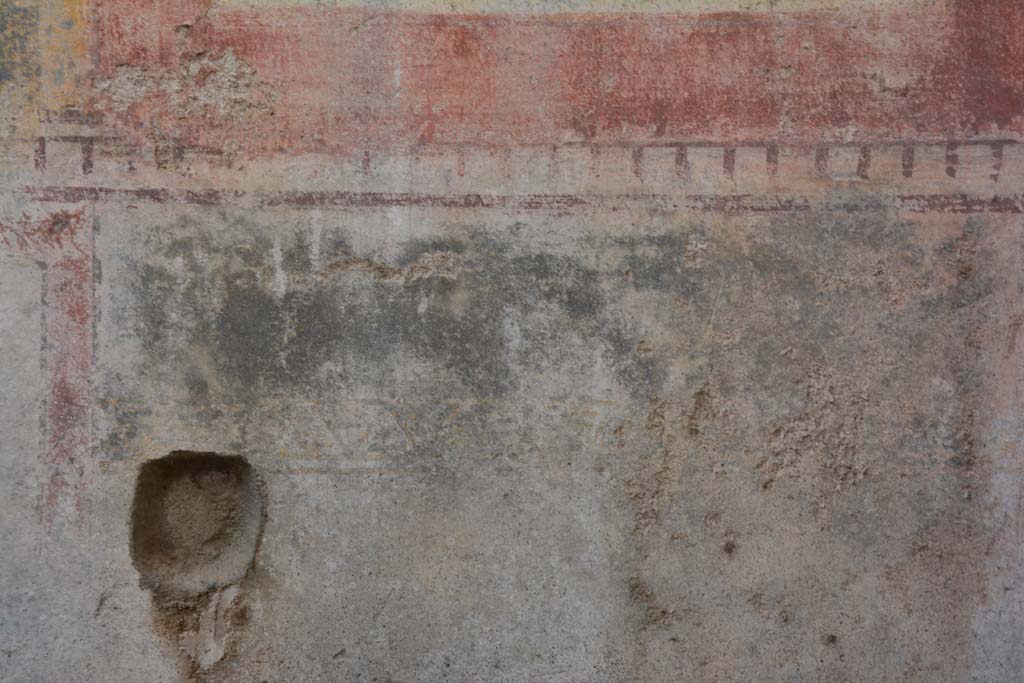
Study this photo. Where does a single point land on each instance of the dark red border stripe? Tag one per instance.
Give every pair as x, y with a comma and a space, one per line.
62, 243
720, 203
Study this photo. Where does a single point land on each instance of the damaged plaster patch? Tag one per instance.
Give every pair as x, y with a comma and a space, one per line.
208, 643
226, 85
202, 87
203, 630
195, 527
824, 437
446, 265
129, 85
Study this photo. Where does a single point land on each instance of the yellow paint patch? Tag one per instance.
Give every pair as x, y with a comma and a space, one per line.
62, 31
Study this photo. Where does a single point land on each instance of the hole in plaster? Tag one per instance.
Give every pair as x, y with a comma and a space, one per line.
195, 524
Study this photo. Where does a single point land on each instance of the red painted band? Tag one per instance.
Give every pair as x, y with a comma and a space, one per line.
342, 81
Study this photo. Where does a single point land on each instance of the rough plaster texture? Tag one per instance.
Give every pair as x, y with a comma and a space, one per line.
576, 342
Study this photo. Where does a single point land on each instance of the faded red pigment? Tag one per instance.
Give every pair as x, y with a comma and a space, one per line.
344, 81
348, 82
991, 69
61, 243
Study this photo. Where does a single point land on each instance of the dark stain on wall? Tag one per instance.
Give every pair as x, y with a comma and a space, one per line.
17, 38
442, 301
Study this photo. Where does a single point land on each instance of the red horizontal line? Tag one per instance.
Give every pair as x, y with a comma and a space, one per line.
735, 203
611, 144
79, 139
783, 144
74, 194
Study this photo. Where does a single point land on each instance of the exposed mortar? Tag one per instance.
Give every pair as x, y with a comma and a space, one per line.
195, 528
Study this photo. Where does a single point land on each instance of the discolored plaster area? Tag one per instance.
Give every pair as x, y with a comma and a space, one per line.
652, 444
364, 341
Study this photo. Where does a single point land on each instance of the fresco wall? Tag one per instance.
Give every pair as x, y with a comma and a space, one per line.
503, 340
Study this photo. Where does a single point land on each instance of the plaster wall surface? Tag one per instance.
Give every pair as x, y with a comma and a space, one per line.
507, 341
